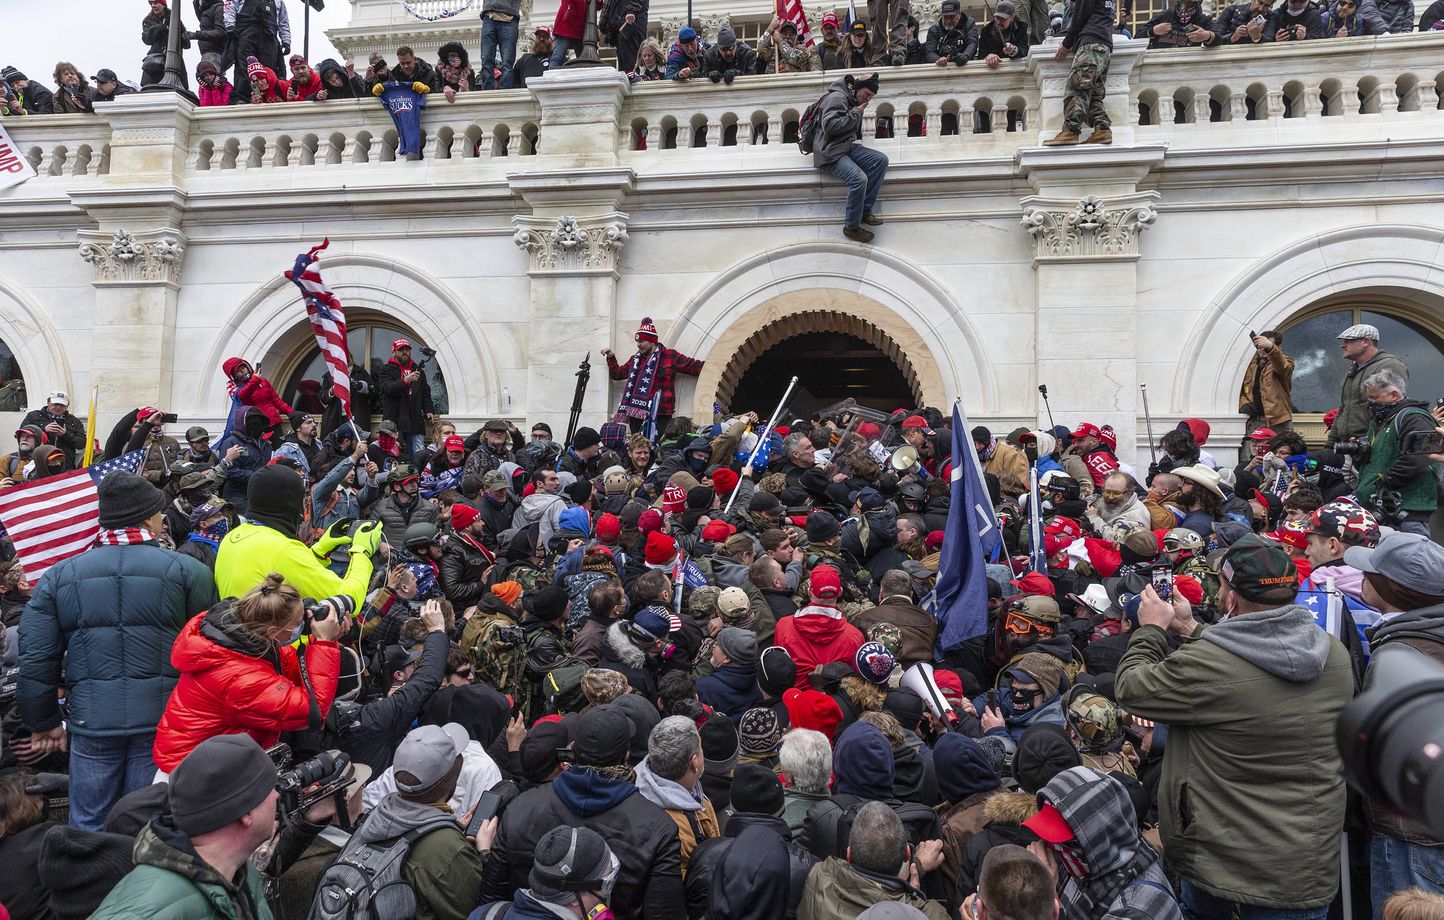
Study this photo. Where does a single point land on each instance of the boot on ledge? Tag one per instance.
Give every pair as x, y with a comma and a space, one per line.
1064, 138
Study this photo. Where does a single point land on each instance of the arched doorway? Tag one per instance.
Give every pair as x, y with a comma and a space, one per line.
299, 368
835, 355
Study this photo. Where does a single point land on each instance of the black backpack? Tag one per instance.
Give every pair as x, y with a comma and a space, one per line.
365, 880
807, 126
829, 823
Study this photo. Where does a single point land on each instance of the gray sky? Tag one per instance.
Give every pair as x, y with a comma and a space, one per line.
106, 33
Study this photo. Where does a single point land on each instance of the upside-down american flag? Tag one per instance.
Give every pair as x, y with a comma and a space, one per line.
50, 520
328, 321
791, 11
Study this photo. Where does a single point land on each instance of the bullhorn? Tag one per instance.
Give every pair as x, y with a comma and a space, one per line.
919, 679
904, 458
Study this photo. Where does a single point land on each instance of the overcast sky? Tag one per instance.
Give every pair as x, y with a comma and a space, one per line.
106, 33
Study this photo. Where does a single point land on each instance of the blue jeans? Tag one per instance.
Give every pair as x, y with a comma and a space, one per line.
862, 169
497, 34
1395, 865
415, 443
104, 769
1198, 904
559, 50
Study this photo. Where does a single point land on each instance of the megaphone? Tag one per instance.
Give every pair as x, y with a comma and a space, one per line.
904, 458
919, 679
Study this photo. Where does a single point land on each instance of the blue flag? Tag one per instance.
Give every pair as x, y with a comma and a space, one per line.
971, 537
405, 105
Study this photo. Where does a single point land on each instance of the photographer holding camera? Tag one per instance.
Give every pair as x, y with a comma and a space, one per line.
239, 671
1404, 581
1397, 481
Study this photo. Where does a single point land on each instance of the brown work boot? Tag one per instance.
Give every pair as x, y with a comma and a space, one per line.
1064, 138
858, 234
1100, 136
871, 219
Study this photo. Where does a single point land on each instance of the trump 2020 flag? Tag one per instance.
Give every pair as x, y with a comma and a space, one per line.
1038, 555
971, 537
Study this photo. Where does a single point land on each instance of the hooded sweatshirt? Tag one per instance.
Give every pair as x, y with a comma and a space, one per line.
816, 635
1252, 797
689, 809
442, 866
863, 763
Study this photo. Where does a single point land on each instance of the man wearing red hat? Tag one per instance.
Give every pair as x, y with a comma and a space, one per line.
465, 560
406, 397
1096, 446
830, 41
817, 634
651, 374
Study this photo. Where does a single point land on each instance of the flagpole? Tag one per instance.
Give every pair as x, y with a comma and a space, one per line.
90, 427
762, 437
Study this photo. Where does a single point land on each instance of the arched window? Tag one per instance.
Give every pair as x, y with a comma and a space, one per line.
369, 335
1312, 341
12, 382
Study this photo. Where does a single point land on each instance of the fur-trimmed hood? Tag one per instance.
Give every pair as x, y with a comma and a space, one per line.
1010, 807
623, 647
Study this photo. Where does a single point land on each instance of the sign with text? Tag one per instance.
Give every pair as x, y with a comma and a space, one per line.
14, 168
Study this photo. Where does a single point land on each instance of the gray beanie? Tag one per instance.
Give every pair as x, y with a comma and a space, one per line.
221, 779
125, 500
738, 644
569, 860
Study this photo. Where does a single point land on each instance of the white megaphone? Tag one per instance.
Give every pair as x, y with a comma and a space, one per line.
904, 458
919, 679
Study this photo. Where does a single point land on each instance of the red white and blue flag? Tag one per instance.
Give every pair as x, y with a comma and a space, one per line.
328, 321
50, 520
791, 11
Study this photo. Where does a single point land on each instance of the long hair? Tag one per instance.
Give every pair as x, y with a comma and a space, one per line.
271, 605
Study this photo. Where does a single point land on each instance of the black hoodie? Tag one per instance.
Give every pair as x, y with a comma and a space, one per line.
351, 87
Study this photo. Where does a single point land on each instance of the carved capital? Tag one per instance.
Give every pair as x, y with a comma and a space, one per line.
710, 25
149, 257
671, 25
572, 246
1092, 228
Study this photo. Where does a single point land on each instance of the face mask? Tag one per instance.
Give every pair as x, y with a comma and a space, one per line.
601, 912
1379, 410
697, 464
218, 530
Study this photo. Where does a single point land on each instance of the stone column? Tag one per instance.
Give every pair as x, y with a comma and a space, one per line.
573, 238
136, 249
1086, 221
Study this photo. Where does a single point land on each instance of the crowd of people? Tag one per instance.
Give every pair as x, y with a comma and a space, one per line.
246, 58
312, 672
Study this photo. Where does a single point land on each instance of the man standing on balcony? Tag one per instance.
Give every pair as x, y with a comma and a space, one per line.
1090, 34
836, 133
499, 22
889, 20
262, 30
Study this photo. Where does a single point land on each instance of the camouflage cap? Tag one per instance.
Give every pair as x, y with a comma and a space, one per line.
887, 635
495, 479
1259, 570
1042, 609
702, 605
1093, 718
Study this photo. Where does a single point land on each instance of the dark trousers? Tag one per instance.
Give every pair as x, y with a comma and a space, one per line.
253, 38
635, 424
629, 42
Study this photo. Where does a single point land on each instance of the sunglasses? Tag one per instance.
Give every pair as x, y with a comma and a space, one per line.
1108, 493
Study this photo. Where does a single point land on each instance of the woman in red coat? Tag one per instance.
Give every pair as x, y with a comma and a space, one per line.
239, 674
251, 389
569, 28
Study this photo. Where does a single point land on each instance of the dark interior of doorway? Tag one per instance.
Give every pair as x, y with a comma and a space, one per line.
830, 367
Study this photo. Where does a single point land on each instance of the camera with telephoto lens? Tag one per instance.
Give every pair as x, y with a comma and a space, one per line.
1358, 448
1391, 736
324, 776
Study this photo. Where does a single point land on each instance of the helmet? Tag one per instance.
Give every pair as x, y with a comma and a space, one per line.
1093, 718
913, 491
1346, 521
1063, 484
422, 534
1181, 538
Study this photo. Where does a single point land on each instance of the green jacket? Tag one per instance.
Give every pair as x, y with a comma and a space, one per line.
1353, 420
1411, 474
1252, 800
169, 882
837, 891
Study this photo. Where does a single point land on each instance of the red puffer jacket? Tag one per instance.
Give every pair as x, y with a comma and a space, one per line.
230, 682
813, 636
257, 391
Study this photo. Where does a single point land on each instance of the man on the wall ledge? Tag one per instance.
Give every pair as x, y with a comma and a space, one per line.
1090, 33
650, 373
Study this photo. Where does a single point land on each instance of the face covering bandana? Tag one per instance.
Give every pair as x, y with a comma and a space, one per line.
218, 530
1378, 410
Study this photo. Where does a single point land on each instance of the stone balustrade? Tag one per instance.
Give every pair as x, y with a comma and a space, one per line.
928, 113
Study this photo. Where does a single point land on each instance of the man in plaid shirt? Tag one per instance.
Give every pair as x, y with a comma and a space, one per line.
651, 374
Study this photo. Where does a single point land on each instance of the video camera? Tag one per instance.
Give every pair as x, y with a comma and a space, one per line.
1390, 735
1357, 448
324, 776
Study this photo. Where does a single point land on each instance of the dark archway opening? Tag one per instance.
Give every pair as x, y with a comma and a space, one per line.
830, 366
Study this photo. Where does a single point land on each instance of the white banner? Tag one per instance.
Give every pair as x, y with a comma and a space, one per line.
14, 168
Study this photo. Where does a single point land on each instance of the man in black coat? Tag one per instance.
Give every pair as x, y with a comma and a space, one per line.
61, 428
953, 39
1298, 20
261, 28
1249, 23
30, 96
411, 678
729, 58
465, 559
405, 395
210, 31
1005, 38
757, 801
592, 794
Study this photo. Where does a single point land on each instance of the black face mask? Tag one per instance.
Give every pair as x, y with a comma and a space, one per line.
255, 424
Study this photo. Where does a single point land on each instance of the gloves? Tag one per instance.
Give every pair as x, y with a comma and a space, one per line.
191, 36
715, 76
367, 538
338, 534
49, 784
728, 77
377, 90
285, 49
421, 88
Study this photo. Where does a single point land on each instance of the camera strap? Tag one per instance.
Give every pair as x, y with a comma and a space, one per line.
314, 718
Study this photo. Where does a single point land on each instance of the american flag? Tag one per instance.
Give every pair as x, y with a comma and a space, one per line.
50, 520
432, 486
328, 321
791, 11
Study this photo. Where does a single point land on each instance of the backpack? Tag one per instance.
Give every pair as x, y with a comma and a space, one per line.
365, 879
497, 649
829, 823
807, 126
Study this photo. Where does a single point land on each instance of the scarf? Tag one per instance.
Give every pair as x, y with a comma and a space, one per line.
986, 453
460, 75
123, 536
641, 384
471, 541
214, 533
389, 445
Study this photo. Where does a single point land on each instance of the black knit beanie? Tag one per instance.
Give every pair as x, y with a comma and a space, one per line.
756, 790
126, 499
276, 497
1044, 751
80, 867
219, 781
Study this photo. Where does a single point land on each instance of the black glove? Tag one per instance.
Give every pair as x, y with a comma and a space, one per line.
285, 48
715, 76
48, 784
729, 76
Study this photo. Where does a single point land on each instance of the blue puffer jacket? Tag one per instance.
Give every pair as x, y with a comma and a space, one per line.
111, 614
